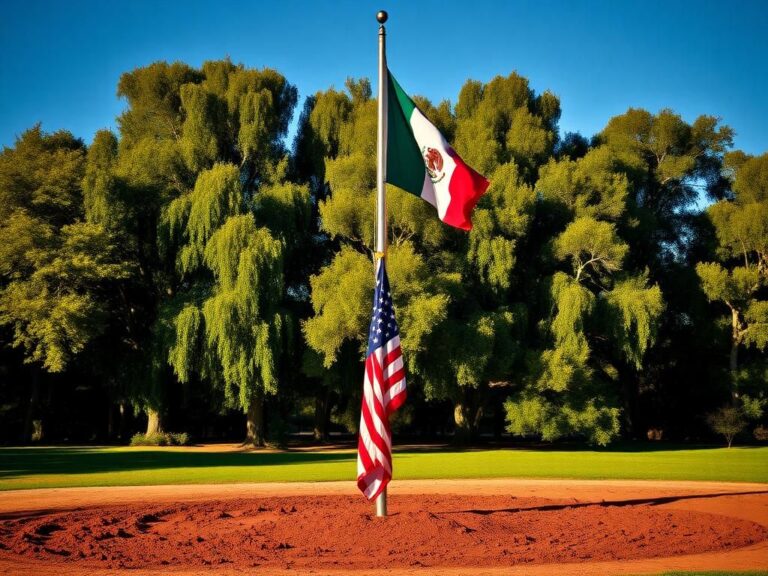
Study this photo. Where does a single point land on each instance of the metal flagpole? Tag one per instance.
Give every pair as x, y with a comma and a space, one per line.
381, 191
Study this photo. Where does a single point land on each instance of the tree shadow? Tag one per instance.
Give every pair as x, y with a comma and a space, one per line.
15, 462
604, 503
632, 447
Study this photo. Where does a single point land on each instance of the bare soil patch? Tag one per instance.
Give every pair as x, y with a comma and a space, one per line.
512, 525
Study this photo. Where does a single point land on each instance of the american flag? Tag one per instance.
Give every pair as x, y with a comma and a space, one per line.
383, 392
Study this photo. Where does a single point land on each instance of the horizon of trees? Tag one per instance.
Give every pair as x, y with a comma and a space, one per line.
193, 273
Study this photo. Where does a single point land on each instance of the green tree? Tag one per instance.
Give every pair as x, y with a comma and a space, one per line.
232, 328
728, 421
506, 131
56, 268
231, 234
136, 176
667, 165
503, 121
462, 325
570, 389
342, 127
593, 318
738, 280
482, 338
197, 190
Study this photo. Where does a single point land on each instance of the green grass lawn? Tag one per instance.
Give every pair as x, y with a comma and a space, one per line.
49, 467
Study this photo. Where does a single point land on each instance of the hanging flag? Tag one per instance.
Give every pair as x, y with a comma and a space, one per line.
421, 162
383, 392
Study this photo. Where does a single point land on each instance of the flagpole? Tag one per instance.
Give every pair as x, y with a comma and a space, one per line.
381, 191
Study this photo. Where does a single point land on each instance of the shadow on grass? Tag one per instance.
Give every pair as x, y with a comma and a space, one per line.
15, 462
636, 447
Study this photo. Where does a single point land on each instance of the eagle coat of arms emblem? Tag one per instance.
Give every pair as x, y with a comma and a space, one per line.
433, 160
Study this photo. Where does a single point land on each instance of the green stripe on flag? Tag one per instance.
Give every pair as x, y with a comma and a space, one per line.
405, 165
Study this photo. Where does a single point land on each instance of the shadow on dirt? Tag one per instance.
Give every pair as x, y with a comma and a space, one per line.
606, 503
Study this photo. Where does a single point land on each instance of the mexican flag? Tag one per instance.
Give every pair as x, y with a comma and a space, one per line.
421, 162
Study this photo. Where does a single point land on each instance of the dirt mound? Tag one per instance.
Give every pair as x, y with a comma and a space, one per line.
342, 532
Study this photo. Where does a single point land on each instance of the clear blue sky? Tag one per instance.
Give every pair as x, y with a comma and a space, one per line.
60, 61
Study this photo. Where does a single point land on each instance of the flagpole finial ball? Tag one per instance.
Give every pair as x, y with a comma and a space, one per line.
381, 16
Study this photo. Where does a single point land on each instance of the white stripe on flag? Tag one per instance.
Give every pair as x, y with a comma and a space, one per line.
373, 450
395, 390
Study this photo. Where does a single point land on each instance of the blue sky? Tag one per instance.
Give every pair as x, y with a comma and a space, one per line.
60, 61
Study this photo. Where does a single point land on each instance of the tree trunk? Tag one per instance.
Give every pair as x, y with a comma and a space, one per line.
462, 417
255, 422
154, 422
33, 421
467, 412
734, 359
322, 415
630, 384
110, 421
121, 424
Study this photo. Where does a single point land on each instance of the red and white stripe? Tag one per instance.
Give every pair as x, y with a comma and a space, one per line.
383, 392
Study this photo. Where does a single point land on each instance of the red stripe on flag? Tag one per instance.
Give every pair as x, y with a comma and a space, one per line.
394, 379
392, 356
381, 443
366, 480
362, 453
379, 383
378, 441
374, 468
396, 402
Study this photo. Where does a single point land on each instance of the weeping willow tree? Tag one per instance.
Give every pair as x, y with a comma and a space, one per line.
340, 130
231, 246
129, 178
456, 294
213, 217
596, 315
231, 326
481, 342
231, 330
506, 131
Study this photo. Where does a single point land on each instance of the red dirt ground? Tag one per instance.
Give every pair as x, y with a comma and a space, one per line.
445, 527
